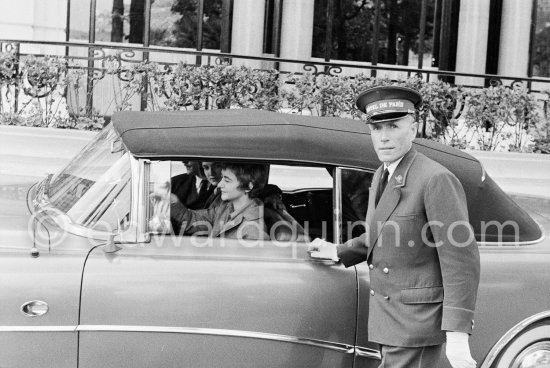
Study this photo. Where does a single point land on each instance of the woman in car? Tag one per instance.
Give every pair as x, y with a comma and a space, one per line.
239, 216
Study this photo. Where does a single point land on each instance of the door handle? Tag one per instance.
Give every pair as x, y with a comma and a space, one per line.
34, 308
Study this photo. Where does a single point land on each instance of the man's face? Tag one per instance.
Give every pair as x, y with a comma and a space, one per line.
192, 167
392, 139
212, 171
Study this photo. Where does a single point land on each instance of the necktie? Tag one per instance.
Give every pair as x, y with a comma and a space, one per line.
203, 190
381, 186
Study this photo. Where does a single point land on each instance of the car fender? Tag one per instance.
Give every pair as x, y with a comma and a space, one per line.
510, 335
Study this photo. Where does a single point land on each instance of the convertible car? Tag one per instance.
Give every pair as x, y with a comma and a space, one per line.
92, 275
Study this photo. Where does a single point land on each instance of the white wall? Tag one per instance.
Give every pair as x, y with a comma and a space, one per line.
34, 20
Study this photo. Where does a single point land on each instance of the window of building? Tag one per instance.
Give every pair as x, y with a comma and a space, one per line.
354, 26
79, 22
541, 44
174, 23
120, 21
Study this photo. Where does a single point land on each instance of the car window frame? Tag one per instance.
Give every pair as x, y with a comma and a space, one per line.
338, 200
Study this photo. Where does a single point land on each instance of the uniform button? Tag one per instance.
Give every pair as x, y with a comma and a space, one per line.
387, 297
371, 266
386, 270
372, 292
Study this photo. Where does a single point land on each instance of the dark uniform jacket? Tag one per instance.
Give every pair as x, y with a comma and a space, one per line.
422, 255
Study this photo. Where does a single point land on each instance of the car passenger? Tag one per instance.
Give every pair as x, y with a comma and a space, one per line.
191, 188
239, 216
213, 173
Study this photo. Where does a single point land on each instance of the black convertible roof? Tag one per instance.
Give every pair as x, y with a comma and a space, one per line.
252, 134
247, 134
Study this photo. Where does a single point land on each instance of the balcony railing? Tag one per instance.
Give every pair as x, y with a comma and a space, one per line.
75, 84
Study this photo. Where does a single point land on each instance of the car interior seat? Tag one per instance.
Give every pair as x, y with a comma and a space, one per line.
282, 226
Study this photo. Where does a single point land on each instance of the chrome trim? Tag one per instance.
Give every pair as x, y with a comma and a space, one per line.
64, 222
541, 345
130, 234
26, 308
368, 353
337, 205
510, 335
142, 195
38, 328
342, 348
510, 244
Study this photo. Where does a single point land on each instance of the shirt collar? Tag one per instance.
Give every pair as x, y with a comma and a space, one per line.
198, 182
391, 167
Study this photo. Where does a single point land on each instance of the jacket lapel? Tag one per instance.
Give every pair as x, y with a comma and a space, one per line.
370, 220
389, 200
251, 212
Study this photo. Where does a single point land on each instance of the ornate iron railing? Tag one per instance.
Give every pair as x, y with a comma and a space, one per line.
90, 81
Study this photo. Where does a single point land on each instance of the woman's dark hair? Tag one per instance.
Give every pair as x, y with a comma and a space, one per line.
248, 173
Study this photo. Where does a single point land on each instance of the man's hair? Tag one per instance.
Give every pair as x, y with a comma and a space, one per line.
248, 173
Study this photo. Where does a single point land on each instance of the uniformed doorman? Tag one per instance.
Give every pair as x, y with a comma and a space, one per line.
419, 245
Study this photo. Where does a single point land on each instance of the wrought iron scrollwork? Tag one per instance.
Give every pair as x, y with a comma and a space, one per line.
311, 68
518, 84
444, 111
327, 70
495, 82
41, 76
220, 61
111, 64
333, 70
127, 55
10, 47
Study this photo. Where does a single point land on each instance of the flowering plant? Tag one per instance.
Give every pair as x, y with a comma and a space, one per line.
8, 68
43, 73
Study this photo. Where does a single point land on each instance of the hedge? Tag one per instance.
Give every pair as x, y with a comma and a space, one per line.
51, 91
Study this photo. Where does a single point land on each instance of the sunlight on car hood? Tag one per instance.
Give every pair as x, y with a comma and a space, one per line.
15, 217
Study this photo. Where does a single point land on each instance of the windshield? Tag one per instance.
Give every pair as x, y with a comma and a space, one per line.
94, 189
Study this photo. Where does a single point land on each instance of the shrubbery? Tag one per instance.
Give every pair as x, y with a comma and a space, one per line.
52, 92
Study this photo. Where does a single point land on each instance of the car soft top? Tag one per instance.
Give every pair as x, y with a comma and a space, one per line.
247, 134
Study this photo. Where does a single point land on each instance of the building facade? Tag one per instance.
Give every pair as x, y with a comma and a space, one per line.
501, 37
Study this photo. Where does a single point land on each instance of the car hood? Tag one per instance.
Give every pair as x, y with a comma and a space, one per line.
15, 217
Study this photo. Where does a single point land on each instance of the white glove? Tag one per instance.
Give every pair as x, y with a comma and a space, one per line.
322, 249
458, 350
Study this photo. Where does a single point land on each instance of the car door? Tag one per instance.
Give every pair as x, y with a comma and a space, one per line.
194, 301
174, 302
39, 300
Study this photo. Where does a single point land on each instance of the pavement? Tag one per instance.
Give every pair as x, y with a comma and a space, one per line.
29, 154
520, 174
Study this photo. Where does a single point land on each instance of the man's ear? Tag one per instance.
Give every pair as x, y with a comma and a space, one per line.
414, 129
250, 185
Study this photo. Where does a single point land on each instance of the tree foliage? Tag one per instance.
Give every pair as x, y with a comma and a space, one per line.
185, 28
353, 29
